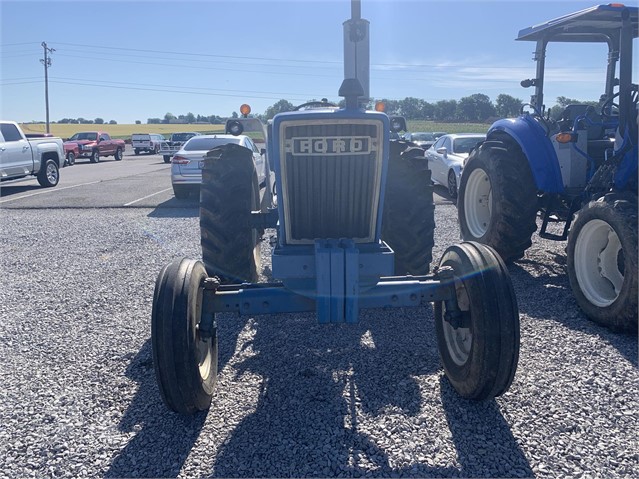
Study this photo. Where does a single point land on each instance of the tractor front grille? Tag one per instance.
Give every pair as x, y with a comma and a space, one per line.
331, 174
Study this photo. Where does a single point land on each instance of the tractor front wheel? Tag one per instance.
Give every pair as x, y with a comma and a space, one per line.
497, 199
602, 261
478, 333
184, 359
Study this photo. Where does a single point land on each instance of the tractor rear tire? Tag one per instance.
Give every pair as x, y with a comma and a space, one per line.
185, 363
602, 261
480, 354
497, 199
228, 194
408, 223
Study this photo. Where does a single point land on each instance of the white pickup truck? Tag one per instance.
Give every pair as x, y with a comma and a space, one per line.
171, 147
21, 156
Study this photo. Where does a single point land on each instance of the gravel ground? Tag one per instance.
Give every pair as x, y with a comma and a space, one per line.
79, 398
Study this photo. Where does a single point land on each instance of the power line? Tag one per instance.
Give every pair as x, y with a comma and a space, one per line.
165, 52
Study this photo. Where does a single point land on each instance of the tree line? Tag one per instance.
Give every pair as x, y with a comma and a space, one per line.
476, 108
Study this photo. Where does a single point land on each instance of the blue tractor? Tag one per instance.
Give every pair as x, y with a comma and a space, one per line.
579, 171
354, 217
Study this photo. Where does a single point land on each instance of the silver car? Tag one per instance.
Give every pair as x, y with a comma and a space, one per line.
446, 157
187, 163
422, 139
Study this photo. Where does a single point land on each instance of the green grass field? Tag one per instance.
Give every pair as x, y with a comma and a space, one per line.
65, 130
416, 125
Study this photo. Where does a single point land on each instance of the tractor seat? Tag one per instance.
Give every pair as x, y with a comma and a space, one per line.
592, 123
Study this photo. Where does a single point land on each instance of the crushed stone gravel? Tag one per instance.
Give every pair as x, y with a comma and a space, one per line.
294, 398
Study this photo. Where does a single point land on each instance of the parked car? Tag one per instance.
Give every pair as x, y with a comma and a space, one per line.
187, 163
421, 138
437, 134
149, 142
96, 144
446, 157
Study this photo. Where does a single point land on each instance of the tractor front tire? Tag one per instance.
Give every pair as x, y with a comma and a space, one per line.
228, 194
497, 199
602, 261
408, 223
185, 362
480, 352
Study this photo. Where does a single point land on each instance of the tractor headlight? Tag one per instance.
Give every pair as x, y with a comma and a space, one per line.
235, 128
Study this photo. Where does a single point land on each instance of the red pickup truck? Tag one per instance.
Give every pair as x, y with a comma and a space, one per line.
93, 145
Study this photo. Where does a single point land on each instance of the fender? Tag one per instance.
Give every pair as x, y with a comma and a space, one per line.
538, 150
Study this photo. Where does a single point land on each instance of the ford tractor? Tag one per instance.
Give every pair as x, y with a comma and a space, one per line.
354, 219
578, 171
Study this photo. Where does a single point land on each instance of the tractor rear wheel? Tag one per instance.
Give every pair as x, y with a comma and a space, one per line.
185, 361
478, 346
408, 222
229, 192
497, 199
602, 261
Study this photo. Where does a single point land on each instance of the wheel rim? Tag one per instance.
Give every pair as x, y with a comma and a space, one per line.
478, 199
459, 341
452, 184
598, 263
203, 346
52, 173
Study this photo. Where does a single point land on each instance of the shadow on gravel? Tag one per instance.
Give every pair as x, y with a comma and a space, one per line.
174, 208
14, 189
317, 387
485, 445
548, 295
163, 439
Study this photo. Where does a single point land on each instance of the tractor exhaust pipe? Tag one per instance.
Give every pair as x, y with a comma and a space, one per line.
356, 49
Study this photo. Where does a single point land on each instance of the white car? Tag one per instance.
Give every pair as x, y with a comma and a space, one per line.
446, 158
187, 163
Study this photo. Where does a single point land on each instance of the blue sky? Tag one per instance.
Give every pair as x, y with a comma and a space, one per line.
127, 61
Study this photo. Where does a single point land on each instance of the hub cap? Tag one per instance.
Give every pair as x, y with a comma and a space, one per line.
52, 174
459, 341
599, 263
478, 199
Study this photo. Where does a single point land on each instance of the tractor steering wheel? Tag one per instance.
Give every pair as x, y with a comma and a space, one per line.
536, 114
610, 108
315, 104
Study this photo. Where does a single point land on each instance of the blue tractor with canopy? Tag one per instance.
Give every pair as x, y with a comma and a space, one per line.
578, 172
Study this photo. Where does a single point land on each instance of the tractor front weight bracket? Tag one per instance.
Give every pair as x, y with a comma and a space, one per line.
338, 297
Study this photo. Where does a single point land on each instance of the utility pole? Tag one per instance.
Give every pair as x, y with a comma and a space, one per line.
47, 63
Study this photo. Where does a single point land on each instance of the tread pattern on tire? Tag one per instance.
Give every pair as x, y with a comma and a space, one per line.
228, 194
408, 223
514, 198
494, 354
173, 340
619, 210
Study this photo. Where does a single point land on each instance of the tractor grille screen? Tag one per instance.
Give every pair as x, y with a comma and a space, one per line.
330, 177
